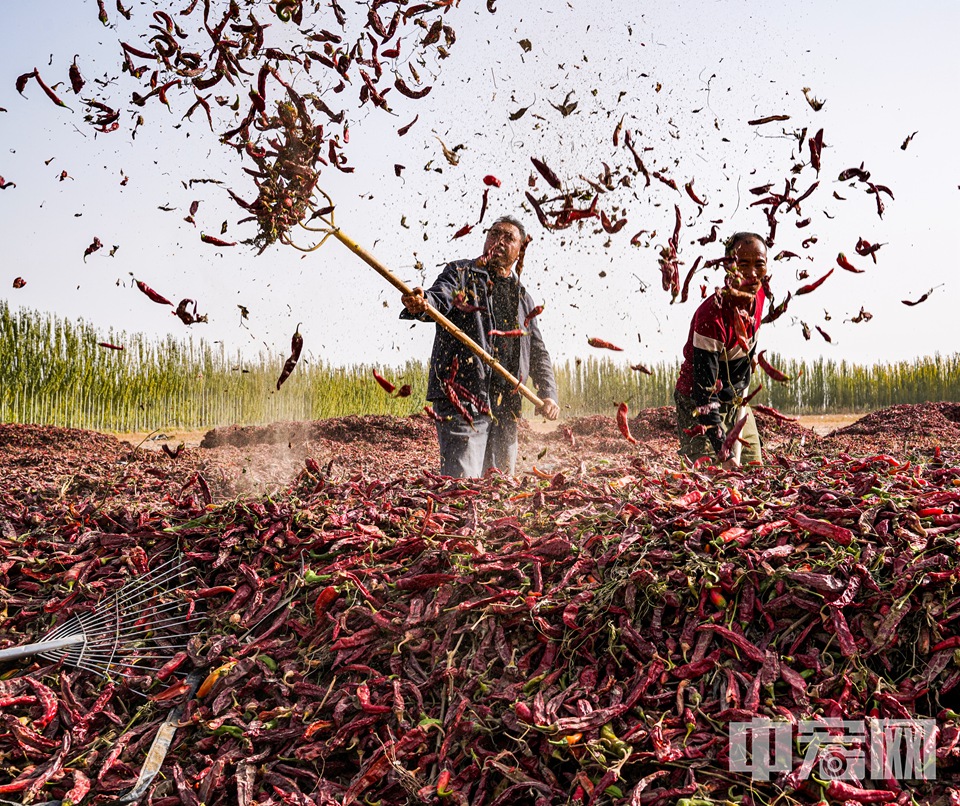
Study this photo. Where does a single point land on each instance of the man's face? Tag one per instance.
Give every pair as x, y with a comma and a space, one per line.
502, 246
751, 265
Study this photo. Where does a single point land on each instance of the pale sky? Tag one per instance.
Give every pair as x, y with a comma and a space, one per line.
884, 69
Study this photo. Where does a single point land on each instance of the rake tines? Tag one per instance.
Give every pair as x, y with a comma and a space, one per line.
132, 632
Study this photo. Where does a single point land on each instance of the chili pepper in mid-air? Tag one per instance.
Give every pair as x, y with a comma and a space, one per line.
692, 194
491, 181
863, 316
461, 304
76, 80
19, 282
865, 248
753, 394
641, 368
109, 346
806, 289
605, 345
483, 205
158, 298
624, 424
824, 333
552, 179
815, 144
805, 328
917, 301
405, 128
772, 412
96, 245
508, 333
772, 371
670, 183
404, 391
403, 89
532, 315
767, 119
906, 142
843, 263
384, 383
296, 346
464, 230
210, 239
611, 227
854, 173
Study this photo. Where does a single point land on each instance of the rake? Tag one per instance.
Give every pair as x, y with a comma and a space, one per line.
131, 632
330, 229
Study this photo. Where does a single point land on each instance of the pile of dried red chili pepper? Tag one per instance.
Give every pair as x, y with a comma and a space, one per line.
585, 639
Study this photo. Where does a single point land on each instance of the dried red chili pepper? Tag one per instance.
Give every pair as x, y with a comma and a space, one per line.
296, 346
19, 282
384, 383
153, 295
772, 372
210, 239
843, 263
605, 345
806, 289
545, 171
624, 424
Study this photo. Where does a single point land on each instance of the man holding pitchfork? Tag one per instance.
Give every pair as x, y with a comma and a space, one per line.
475, 407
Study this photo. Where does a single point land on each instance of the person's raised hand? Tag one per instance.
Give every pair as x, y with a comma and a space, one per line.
416, 302
549, 409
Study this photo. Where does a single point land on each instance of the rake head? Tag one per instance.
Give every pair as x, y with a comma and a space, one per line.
132, 632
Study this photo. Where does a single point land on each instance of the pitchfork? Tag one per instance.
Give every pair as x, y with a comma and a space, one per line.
145, 620
330, 229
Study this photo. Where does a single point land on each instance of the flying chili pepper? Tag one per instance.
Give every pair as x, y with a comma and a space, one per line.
210, 239
611, 227
461, 304
863, 316
109, 346
507, 333
824, 333
815, 144
97, 244
753, 394
814, 285
464, 230
552, 179
404, 129
918, 301
158, 298
296, 346
491, 181
403, 89
692, 194
641, 368
905, 143
624, 425
532, 315
805, 328
19, 282
767, 119
772, 412
404, 391
188, 317
684, 293
483, 205
76, 80
605, 345
4, 184
865, 248
670, 183
772, 371
854, 173
843, 263
384, 383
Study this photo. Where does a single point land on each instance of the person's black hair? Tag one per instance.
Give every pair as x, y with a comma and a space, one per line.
731, 243
509, 219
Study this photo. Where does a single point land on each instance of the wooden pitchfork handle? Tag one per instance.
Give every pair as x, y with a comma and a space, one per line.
437, 317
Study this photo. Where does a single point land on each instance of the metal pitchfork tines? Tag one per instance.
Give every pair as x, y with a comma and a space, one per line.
127, 633
330, 229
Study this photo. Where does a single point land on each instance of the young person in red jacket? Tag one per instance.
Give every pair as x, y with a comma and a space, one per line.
718, 356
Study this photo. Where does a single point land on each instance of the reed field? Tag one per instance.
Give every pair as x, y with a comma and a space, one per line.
53, 372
